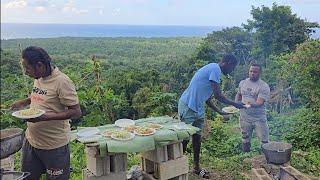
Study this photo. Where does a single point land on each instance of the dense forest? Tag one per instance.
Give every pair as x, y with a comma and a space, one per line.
142, 77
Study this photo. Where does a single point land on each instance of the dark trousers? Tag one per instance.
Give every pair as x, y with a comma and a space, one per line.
54, 162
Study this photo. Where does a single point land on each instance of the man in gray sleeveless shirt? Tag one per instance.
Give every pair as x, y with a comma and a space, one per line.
254, 93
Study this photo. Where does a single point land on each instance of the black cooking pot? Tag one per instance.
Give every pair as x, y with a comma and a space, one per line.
277, 152
11, 141
13, 175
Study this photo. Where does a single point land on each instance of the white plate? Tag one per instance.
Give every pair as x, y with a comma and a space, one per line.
88, 139
230, 109
87, 132
119, 139
124, 122
181, 126
18, 115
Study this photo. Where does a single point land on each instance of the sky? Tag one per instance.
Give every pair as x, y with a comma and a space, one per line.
146, 12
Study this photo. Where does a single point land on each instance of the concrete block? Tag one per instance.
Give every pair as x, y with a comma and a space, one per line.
171, 168
290, 173
260, 174
175, 150
87, 175
118, 162
160, 154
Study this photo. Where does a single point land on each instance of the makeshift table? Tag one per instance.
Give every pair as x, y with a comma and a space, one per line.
161, 153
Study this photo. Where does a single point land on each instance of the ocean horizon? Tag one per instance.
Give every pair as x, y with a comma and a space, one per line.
28, 30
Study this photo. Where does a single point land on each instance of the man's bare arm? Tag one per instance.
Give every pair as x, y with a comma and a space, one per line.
220, 97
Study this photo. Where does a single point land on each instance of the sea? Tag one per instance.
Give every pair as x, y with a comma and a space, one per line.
24, 30
21, 30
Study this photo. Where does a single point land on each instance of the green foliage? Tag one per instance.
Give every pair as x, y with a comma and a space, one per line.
301, 129
233, 40
77, 160
141, 77
221, 143
305, 131
304, 68
277, 30
308, 161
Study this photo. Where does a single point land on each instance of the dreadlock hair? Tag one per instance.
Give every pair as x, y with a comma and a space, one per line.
229, 59
34, 54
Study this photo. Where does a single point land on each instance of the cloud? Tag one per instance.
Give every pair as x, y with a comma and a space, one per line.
42, 3
116, 12
100, 12
70, 7
16, 4
40, 9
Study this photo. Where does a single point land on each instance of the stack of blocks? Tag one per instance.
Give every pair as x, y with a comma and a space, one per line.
290, 173
165, 162
111, 166
286, 173
260, 174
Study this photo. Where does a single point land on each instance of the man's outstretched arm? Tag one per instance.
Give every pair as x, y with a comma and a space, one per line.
215, 108
220, 97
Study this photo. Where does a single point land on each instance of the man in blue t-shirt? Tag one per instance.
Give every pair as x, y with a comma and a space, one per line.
191, 108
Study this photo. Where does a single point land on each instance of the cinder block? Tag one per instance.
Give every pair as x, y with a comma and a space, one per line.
171, 168
8, 163
175, 150
160, 154
95, 163
87, 175
118, 162
260, 174
290, 173
147, 165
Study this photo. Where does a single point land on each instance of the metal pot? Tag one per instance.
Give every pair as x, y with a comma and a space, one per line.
13, 175
11, 141
277, 152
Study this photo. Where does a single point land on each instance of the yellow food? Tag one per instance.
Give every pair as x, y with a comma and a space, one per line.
29, 112
131, 128
144, 131
121, 135
109, 132
154, 126
230, 109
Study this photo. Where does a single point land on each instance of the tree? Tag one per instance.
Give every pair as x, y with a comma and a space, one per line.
277, 30
235, 40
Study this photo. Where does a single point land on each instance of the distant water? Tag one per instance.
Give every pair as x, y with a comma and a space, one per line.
13, 30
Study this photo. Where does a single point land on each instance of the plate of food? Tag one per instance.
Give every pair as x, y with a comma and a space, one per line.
154, 126
122, 136
131, 128
108, 132
230, 109
124, 122
88, 131
144, 131
28, 113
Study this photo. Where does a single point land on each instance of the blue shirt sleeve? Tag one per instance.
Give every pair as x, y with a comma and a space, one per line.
215, 75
